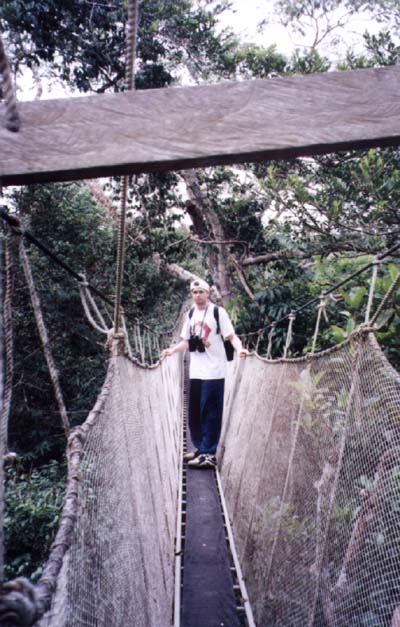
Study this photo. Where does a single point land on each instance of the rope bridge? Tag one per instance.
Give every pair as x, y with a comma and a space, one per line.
310, 464
311, 472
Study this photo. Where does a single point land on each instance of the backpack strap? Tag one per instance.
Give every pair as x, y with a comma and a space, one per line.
216, 316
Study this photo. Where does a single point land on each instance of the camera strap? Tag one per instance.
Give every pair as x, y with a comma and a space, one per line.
229, 350
202, 322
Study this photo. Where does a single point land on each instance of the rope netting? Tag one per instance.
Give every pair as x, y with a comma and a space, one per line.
112, 562
311, 468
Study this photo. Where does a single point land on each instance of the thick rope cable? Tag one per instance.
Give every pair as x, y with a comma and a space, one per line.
43, 336
270, 337
385, 300
14, 223
95, 308
131, 37
335, 287
84, 294
8, 343
2, 436
375, 269
289, 335
22, 603
321, 308
13, 121
125, 331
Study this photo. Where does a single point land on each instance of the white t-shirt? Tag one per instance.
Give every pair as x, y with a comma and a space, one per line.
212, 363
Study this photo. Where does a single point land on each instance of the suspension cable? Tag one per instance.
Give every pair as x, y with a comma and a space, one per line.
16, 229
352, 276
131, 36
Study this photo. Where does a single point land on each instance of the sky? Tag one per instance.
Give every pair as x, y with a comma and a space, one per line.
246, 14
244, 19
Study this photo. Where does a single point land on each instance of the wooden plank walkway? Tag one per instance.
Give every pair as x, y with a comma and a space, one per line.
177, 128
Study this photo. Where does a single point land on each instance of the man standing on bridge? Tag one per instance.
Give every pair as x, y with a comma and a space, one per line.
204, 331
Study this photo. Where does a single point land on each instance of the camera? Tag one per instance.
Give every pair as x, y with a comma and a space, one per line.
195, 344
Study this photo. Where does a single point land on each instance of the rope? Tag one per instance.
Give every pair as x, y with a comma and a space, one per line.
321, 308
289, 335
131, 36
14, 223
270, 336
385, 300
375, 269
43, 336
8, 343
352, 276
362, 330
125, 330
259, 337
13, 121
85, 296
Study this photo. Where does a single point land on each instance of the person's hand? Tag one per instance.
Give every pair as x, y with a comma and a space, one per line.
167, 352
244, 352
206, 343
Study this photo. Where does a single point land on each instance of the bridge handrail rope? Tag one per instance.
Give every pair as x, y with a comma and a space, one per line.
16, 229
13, 121
321, 308
378, 259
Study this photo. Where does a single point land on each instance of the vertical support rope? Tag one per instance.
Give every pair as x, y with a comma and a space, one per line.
385, 300
131, 36
13, 121
3, 443
260, 333
321, 307
375, 269
270, 336
8, 344
43, 336
289, 335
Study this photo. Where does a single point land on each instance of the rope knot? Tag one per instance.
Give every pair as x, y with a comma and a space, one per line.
117, 343
18, 603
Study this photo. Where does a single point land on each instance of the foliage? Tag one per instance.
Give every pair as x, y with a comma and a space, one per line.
34, 498
83, 43
314, 220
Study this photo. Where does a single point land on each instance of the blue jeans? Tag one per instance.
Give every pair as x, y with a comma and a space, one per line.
206, 404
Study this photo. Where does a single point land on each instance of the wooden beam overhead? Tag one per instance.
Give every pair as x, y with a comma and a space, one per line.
185, 127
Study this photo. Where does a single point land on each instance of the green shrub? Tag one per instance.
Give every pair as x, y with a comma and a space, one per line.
33, 503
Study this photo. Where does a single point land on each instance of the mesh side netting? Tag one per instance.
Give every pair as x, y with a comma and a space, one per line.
119, 568
310, 461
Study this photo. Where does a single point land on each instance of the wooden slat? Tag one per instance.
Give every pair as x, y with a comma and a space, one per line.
185, 127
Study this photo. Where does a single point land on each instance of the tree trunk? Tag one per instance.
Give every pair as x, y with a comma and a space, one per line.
207, 225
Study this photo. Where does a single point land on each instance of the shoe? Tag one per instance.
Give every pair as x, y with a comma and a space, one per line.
203, 461
191, 455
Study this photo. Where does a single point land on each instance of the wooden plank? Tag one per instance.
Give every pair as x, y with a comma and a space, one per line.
186, 127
